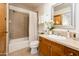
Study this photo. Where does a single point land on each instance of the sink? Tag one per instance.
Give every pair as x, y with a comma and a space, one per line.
56, 37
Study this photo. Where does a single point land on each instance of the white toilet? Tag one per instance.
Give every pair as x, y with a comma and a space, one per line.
33, 46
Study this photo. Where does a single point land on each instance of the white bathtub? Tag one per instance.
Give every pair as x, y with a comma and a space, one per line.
20, 43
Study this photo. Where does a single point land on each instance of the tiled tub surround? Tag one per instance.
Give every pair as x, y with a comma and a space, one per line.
18, 25
74, 44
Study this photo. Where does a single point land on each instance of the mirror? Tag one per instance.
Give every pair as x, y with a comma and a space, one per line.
64, 15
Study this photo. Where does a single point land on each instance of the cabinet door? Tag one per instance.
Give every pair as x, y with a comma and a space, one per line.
70, 52
57, 49
44, 47
2, 30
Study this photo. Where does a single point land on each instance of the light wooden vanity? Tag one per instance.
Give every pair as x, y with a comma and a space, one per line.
51, 48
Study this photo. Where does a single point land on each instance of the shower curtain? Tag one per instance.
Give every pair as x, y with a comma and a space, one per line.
33, 34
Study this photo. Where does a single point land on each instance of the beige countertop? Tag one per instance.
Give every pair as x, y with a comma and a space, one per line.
74, 44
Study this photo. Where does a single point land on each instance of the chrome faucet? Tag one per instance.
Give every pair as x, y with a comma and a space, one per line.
68, 35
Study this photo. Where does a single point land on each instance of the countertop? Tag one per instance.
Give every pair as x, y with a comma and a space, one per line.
74, 44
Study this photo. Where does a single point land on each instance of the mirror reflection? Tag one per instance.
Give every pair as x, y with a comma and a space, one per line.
63, 14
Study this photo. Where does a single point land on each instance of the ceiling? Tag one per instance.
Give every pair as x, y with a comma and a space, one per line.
31, 6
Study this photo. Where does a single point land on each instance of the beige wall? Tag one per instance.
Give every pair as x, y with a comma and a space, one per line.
19, 23
44, 13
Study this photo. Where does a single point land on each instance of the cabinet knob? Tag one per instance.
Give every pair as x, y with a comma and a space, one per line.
71, 54
6, 32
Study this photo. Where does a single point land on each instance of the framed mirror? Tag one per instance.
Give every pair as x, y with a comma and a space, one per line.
64, 15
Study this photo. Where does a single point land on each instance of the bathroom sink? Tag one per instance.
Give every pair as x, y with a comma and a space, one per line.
56, 37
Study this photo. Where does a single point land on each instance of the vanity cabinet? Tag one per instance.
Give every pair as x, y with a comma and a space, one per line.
50, 48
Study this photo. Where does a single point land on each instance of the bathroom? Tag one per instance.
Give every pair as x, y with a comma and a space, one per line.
58, 24
41, 29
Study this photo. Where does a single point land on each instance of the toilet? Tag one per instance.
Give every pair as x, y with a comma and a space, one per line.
34, 46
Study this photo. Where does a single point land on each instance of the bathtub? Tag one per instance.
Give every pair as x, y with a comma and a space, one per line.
17, 44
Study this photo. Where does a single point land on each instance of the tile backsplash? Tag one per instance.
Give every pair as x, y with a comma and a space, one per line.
65, 34
61, 33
